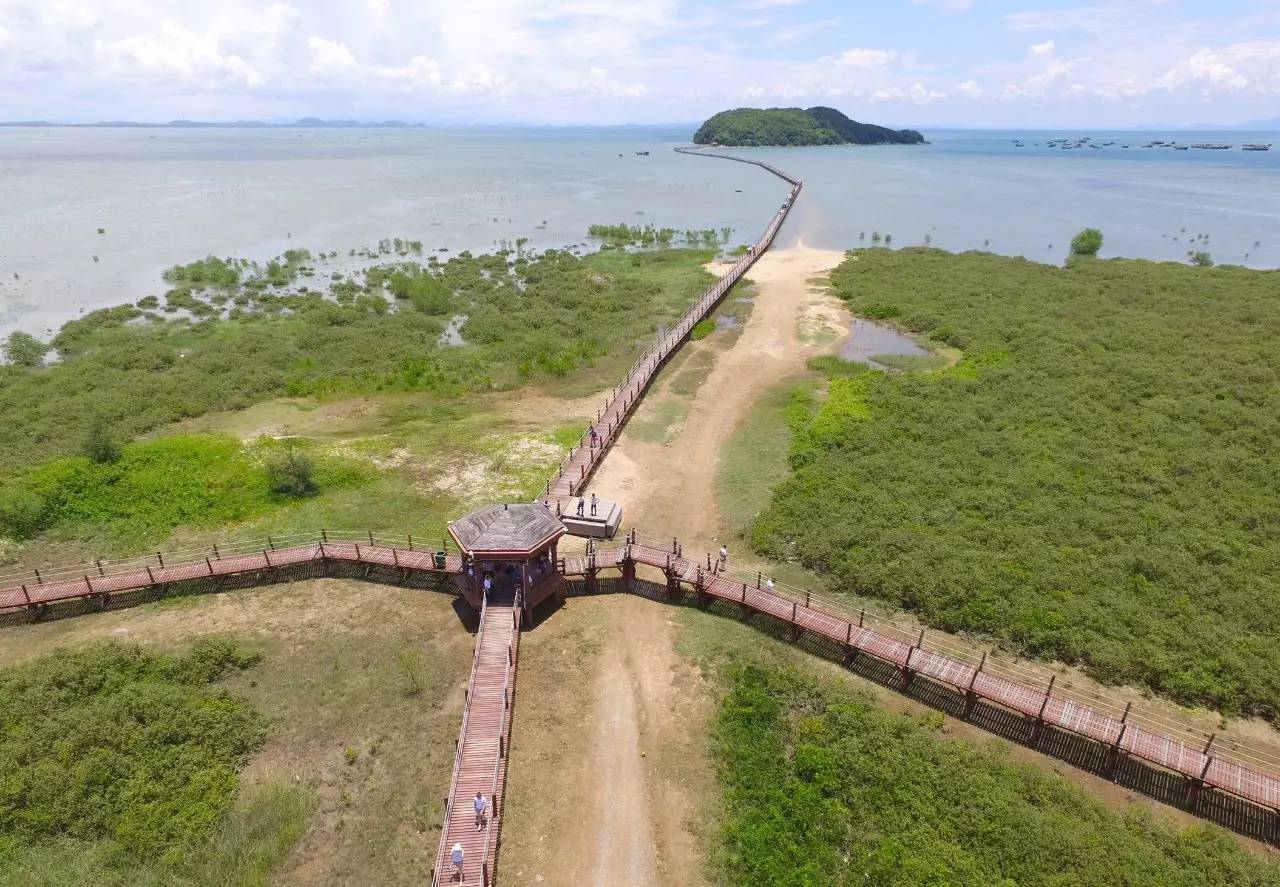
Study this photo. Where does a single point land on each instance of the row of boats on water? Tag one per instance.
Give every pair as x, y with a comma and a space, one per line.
1069, 144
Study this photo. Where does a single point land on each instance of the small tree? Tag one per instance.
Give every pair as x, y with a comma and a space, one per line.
1202, 259
291, 472
100, 444
1087, 243
25, 350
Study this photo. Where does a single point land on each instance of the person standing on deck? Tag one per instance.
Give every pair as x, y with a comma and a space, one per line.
455, 856
724, 557
581, 506
480, 811
595, 438
594, 502
488, 585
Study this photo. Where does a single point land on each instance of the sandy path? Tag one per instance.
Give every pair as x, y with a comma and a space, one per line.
648, 709
668, 489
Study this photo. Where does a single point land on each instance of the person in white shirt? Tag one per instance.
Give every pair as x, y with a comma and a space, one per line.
455, 856
480, 810
724, 557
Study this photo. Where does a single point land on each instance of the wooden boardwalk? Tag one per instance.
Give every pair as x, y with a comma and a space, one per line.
482, 750
1121, 732
580, 464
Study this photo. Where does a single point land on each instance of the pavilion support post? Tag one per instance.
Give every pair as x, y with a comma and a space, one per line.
628, 572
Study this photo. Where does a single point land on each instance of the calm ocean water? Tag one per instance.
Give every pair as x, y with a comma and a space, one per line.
171, 195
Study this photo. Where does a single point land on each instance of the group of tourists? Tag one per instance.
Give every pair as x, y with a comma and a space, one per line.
582, 505
456, 853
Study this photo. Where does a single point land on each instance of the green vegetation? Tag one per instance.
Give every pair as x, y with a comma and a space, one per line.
1095, 482
1087, 243
121, 766
825, 788
622, 235
796, 126
1201, 259
209, 271
154, 486
25, 350
526, 319
702, 329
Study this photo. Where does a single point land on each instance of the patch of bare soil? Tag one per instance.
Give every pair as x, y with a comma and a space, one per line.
608, 779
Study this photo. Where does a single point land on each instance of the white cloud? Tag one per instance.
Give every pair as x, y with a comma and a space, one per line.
330, 58
178, 57
1043, 49
970, 88
946, 5
866, 58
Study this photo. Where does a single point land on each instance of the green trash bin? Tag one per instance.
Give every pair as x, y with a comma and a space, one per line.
440, 560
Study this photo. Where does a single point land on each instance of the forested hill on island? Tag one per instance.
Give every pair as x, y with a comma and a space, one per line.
796, 126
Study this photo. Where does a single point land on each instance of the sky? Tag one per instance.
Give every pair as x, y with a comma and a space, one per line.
981, 63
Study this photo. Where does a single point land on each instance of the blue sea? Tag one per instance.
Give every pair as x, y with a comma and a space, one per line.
163, 196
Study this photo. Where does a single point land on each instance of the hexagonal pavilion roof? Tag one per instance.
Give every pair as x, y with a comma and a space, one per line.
506, 530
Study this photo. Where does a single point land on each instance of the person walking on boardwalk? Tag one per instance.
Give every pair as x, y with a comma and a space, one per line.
595, 438
582, 503
594, 503
455, 856
480, 811
724, 557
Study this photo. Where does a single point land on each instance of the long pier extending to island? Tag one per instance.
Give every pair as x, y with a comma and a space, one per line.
574, 473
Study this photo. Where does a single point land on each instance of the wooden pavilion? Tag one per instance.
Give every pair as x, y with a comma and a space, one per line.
514, 546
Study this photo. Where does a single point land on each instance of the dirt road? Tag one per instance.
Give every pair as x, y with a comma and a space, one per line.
626, 724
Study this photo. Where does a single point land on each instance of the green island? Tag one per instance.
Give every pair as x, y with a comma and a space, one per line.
760, 127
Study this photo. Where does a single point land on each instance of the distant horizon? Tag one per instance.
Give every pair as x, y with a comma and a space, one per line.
317, 122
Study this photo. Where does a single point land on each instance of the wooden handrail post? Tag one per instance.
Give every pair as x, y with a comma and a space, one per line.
99, 565
371, 542
411, 542
160, 558
150, 577
209, 565
1048, 691
216, 554
862, 615
324, 536
271, 543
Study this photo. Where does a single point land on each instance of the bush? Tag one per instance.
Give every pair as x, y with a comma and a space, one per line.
702, 329
99, 444
25, 350
292, 473
1201, 259
114, 743
1087, 243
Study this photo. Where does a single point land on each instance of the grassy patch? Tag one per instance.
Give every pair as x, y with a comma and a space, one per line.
657, 422
911, 363
114, 756
154, 487
702, 329
1094, 482
824, 787
754, 459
